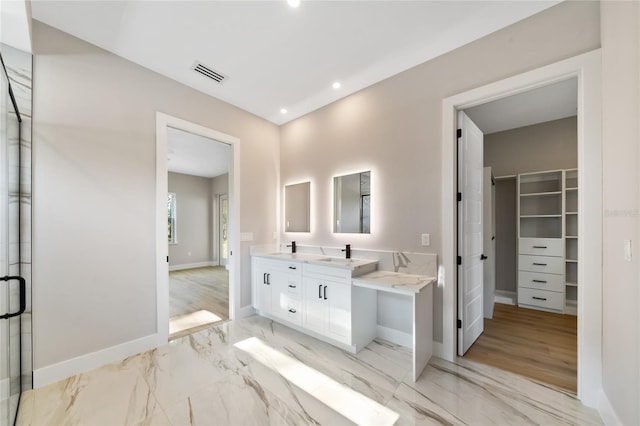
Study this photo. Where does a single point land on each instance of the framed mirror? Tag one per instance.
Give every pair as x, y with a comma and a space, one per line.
297, 210
352, 203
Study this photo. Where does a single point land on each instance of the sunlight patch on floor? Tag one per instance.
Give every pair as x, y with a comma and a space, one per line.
349, 403
188, 321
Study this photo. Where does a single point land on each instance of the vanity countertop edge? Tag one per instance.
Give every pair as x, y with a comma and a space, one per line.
334, 262
394, 282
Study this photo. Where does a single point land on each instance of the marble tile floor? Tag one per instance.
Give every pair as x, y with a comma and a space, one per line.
253, 372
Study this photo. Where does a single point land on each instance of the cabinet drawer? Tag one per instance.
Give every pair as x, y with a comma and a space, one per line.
293, 285
540, 281
287, 307
541, 246
541, 298
546, 264
294, 312
284, 266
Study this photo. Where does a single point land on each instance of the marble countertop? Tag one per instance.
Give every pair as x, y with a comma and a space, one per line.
394, 282
336, 262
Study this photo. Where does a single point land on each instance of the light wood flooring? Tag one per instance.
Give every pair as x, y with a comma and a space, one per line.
536, 344
199, 289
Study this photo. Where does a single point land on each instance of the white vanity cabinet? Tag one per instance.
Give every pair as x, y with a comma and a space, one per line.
327, 301
277, 286
316, 296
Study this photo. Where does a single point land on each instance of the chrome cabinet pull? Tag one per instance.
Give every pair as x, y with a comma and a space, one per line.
325, 292
293, 311
292, 286
320, 291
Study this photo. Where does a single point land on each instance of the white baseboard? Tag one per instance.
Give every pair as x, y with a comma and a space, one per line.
245, 311
395, 336
192, 265
505, 297
4, 389
62, 370
606, 411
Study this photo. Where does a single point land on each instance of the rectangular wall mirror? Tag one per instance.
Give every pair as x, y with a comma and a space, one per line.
351, 203
297, 207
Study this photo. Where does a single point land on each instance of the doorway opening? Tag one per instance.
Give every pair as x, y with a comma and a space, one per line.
585, 69
197, 205
197, 226
526, 282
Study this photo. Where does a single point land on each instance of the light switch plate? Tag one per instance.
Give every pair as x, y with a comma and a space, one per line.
426, 239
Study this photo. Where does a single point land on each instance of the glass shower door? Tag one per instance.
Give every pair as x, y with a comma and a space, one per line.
12, 286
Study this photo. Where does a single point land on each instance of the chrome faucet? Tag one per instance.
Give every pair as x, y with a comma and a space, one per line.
293, 246
347, 250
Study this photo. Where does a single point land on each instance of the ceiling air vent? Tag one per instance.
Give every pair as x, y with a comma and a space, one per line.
209, 72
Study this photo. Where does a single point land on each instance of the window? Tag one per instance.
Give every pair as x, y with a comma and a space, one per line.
171, 213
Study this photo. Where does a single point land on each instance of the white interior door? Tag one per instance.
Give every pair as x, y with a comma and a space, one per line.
470, 242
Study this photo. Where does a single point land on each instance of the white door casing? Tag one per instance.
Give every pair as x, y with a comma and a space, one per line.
587, 69
489, 226
163, 121
470, 230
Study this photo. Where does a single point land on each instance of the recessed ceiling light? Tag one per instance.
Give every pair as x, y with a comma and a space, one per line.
294, 3
336, 85
283, 110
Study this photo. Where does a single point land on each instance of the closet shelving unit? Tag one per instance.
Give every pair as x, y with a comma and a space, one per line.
571, 240
542, 228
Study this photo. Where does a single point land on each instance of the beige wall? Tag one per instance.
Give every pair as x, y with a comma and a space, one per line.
94, 189
621, 155
546, 146
194, 219
393, 128
506, 234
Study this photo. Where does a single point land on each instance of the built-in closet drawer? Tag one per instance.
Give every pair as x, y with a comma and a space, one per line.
545, 264
541, 246
541, 298
540, 281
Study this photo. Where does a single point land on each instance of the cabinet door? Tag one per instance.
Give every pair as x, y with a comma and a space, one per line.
338, 297
262, 285
316, 310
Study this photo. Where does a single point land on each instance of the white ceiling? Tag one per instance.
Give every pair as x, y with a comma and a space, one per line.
276, 56
195, 155
14, 24
552, 102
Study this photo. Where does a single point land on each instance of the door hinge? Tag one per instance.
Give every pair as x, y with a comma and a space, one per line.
459, 133
459, 260
459, 196
459, 324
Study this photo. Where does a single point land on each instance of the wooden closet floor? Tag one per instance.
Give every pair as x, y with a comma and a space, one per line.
539, 345
191, 290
